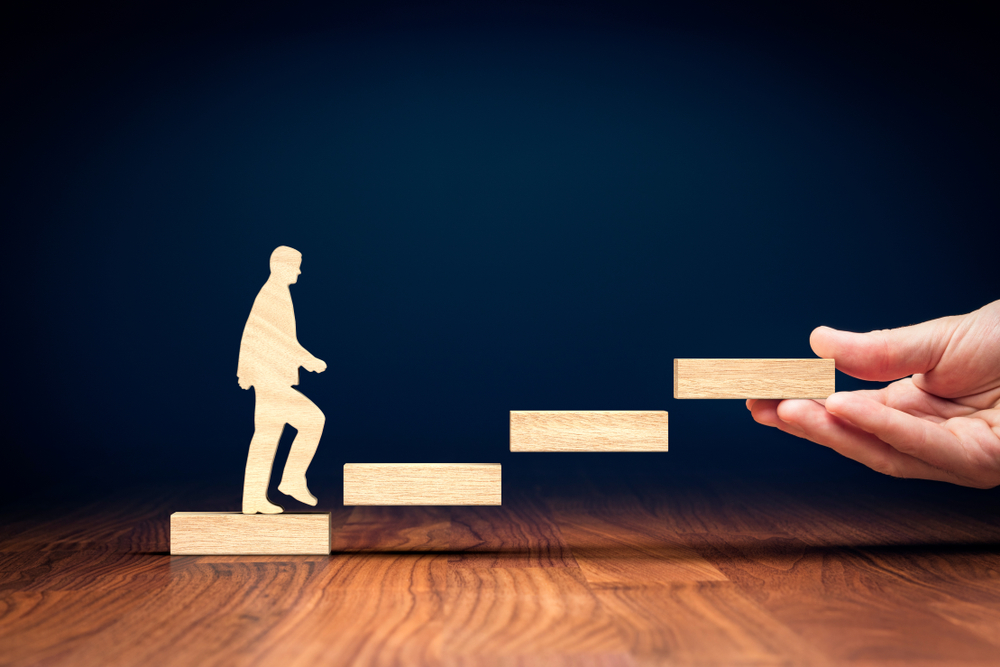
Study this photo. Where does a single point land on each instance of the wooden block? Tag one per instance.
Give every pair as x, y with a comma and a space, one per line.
422, 484
753, 378
234, 533
588, 431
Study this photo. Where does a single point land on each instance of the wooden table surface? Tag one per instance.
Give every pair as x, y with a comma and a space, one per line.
624, 573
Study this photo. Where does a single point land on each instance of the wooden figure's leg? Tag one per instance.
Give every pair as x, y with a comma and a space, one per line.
309, 421
260, 459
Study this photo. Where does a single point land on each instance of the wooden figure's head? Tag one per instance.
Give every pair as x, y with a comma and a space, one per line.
285, 264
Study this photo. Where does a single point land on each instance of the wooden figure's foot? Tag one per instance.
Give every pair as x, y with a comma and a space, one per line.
298, 491
262, 507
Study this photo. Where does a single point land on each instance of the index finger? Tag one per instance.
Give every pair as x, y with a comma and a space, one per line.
920, 438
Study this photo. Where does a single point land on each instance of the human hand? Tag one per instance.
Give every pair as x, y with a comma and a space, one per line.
244, 384
943, 423
314, 365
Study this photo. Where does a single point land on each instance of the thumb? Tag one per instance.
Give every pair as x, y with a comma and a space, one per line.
885, 355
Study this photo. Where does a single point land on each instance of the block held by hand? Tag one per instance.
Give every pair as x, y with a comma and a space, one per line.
754, 378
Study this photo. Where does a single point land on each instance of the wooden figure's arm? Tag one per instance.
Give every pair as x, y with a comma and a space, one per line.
311, 362
244, 374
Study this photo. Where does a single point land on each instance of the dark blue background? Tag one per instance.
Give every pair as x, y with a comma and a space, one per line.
500, 206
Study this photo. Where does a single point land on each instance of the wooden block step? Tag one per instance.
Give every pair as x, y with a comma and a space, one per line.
753, 378
422, 484
236, 534
588, 431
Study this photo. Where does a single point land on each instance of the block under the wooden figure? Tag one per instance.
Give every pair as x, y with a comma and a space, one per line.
235, 533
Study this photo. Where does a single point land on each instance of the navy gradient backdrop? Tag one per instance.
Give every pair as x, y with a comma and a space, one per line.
500, 206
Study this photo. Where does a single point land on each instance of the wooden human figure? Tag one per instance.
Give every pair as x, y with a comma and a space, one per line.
270, 356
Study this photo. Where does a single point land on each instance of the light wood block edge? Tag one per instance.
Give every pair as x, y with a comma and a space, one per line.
754, 378
238, 534
441, 484
588, 430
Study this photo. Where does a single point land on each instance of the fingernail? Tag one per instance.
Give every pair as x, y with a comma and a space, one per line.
834, 397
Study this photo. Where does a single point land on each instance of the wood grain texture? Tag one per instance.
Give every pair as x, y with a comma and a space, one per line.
422, 484
612, 571
753, 378
522, 533
588, 431
490, 615
222, 533
395, 529
611, 554
711, 623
